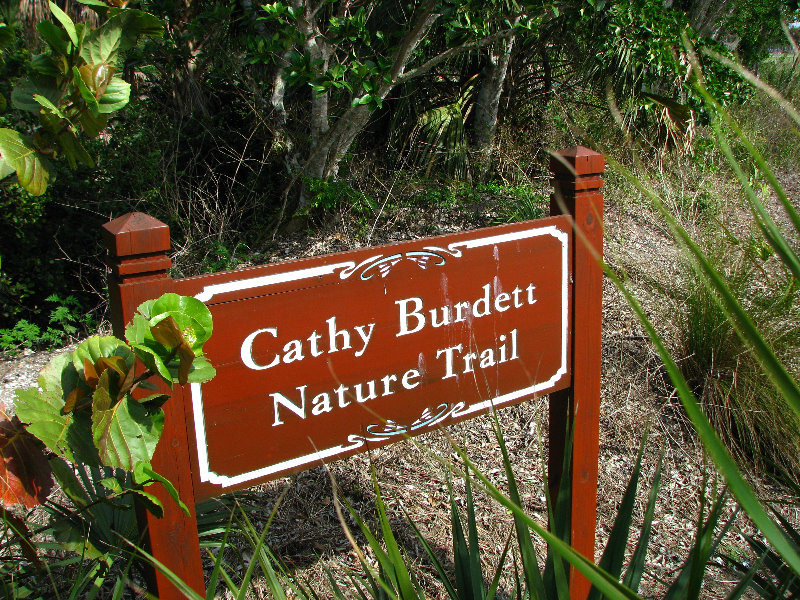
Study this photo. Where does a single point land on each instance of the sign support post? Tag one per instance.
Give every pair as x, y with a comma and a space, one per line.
137, 255
577, 181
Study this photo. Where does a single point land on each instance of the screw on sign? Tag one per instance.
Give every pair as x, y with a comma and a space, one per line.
319, 358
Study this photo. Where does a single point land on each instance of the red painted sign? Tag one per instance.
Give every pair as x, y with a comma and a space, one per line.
317, 359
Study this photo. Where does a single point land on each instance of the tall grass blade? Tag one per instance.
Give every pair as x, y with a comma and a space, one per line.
727, 466
182, 587
614, 553
610, 587
530, 564
745, 327
559, 514
213, 580
765, 222
633, 575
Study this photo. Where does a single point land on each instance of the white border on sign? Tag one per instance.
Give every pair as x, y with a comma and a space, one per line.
346, 269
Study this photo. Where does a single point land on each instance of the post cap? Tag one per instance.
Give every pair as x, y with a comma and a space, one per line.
577, 161
136, 233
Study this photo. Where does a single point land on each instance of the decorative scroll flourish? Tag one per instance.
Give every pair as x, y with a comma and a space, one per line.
428, 418
382, 265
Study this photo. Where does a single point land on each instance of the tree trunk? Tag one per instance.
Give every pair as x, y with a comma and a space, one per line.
487, 103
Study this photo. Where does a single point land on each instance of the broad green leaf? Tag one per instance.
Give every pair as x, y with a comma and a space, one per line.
135, 24
93, 125
112, 484
44, 102
126, 432
31, 166
98, 347
43, 64
85, 92
100, 46
116, 96
68, 435
187, 311
5, 168
23, 93
54, 36
66, 22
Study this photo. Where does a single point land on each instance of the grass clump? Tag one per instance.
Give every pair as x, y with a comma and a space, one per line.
734, 391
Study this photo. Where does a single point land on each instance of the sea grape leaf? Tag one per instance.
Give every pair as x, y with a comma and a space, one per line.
168, 335
43, 64
25, 476
68, 434
31, 166
136, 23
116, 96
96, 78
100, 45
124, 432
93, 124
85, 92
54, 36
66, 22
5, 168
23, 93
108, 347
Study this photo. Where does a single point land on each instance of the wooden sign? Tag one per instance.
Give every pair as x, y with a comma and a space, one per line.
325, 357
318, 359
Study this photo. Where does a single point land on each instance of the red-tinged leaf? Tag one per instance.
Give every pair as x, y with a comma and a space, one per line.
187, 357
23, 535
25, 476
167, 333
72, 400
115, 363
127, 383
90, 374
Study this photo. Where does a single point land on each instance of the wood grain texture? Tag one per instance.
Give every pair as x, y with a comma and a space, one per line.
577, 179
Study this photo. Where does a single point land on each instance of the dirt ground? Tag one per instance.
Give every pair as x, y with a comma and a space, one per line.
307, 534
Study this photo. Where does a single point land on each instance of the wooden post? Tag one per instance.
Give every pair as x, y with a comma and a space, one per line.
137, 246
577, 180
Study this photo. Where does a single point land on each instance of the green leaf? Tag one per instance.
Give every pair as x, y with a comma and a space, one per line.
44, 102
154, 505
126, 432
68, 435
100, 347
54, 36
143, 472
117, 95
67, 23
100, 45
23, 93
93, 125
85, 92
31, 166
5, 168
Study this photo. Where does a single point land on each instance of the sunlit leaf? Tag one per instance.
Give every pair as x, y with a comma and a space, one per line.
25, 476
124, 432
100, 45
116, 96
30, 165
66, 434
66, 22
